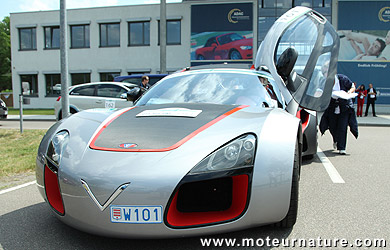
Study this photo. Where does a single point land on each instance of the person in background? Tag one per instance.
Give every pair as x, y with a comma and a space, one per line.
340, 114
145, 83
371, 98
362, 93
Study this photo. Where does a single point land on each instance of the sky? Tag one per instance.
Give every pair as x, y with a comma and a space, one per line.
11, 6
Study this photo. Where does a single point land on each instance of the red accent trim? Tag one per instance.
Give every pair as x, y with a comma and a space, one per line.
176, 145
105, 124
52, 189
239, 200
304, 117
59, 98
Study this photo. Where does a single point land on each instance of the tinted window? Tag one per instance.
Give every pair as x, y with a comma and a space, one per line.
109, 90
84, 91
29, 85
110, 35
52, 37
53, 84
173, 32
27, 39
78, 78
139, 33
79, 36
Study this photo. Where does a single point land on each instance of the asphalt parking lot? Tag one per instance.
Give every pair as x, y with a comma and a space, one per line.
351, 207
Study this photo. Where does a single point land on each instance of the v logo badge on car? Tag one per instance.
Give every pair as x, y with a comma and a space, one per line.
117, 192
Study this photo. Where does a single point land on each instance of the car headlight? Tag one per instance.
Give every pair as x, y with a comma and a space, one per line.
57, 146
237, 153
246, 47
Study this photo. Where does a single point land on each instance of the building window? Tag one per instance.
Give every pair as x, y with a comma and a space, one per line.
79, 36
109, 35
139, 34
52, 37
53, 84
173, 32
29, 85
108, 77
78, 78
27, 39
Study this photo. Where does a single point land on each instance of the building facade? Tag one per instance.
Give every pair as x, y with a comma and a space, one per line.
103, 43
108, 41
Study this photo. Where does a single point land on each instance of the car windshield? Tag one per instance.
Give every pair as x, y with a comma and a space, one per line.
212, 87
229, 38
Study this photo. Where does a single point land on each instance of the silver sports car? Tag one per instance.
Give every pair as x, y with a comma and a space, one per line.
203, 151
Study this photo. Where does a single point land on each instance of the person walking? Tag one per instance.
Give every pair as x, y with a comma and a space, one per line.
340, 114
371, 98
362, 93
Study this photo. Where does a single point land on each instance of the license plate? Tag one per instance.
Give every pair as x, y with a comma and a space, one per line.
136, 214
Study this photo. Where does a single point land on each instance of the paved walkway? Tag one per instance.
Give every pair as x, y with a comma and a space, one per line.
32, 117
380, 120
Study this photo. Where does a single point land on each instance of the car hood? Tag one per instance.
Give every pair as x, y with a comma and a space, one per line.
157, 128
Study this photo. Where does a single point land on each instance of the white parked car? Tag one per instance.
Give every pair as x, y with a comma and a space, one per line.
96, 95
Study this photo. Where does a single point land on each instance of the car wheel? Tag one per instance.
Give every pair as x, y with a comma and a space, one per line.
72, 111
235, 55
200, 57
292, 213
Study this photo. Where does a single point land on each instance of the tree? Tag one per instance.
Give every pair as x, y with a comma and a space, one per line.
5, 54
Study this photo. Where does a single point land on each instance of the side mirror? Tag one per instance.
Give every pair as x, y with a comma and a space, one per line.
133, 94
123, 96
214, 45
285, 68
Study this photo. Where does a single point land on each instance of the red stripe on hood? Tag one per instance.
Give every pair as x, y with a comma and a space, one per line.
176, 145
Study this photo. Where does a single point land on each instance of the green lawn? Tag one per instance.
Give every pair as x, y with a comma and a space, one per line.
12, 111
19, 151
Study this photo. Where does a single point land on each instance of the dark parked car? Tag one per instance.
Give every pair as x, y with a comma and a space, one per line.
136, 79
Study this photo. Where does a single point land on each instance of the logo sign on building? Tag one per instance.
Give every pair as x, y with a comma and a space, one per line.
364, 29
221, 32
384, 14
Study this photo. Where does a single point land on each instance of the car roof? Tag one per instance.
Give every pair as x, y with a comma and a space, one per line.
123, 84
121, 78
224, 65
224, 70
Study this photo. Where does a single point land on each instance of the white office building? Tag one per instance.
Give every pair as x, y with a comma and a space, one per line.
103, 43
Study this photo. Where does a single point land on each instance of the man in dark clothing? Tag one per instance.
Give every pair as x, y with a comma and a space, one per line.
145, 83
339, 113
371, 98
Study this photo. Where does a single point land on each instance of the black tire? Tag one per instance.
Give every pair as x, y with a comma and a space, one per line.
291, 217
235, 55
72, 111
200, 57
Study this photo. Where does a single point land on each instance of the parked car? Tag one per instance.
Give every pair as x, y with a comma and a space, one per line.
227, 46
136, 78
202, 152
95, 95
3, 110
